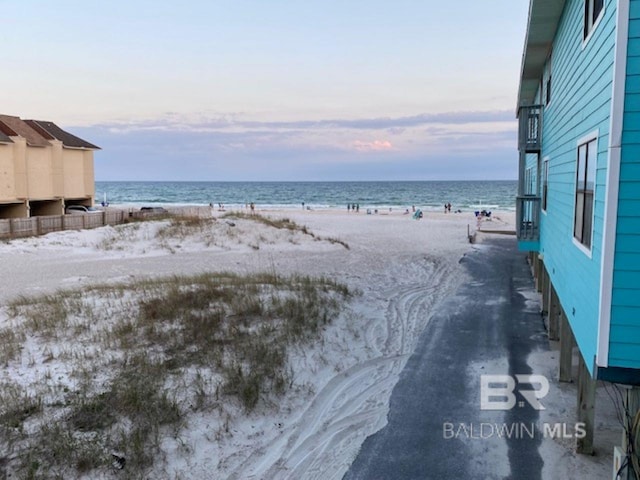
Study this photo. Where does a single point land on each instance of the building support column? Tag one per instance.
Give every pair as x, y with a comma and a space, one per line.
532, 264
554, 313
545, 290
539, 273
566, 349
586, 407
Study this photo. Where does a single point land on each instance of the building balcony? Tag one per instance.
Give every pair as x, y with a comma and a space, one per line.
528, 222
530, 129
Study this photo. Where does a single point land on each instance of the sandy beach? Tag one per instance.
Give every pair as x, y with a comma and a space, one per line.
400, 268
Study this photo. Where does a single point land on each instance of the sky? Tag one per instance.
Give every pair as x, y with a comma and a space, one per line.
273, 89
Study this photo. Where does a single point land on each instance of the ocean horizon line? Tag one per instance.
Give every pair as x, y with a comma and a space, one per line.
304, 181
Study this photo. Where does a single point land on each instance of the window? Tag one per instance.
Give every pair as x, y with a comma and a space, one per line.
585, 185
547, 85
592, 11
548, 96
545, 180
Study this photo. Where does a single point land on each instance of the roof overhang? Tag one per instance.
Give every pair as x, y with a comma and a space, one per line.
544, 16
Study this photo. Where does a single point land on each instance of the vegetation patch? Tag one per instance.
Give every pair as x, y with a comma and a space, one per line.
182, 227
140, 357
284, 224
279, 223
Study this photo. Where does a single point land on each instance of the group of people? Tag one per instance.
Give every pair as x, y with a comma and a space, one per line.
355, 207
221, 208
447, 207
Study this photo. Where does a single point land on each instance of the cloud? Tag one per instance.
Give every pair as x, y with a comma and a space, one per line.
235, 122
375, 146
232, 147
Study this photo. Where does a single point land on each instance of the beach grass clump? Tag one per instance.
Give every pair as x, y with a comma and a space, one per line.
167, 347
56, 451
10, 344
127, 417
278, 223
238, 325
335, 240
48, 315
284, 224
16, 406
181, 227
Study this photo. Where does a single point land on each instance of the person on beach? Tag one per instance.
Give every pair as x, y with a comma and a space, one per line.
348, 207
252, 206
303, 205
445, 208
449, 207
357, 208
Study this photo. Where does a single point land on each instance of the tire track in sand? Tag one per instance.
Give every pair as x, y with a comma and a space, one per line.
325, 438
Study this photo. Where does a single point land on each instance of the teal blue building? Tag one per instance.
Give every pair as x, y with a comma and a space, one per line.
578, 204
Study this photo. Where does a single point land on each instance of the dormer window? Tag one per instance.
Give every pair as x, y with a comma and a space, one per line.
592, 12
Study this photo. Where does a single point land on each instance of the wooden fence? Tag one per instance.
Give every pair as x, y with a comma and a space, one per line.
34, 226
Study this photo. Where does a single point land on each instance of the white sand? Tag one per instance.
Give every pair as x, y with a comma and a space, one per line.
342, 384
403, 267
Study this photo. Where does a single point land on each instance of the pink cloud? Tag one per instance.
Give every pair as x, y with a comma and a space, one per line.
375, 146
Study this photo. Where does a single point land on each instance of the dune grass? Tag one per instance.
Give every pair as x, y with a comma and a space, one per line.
132, 350
284, 224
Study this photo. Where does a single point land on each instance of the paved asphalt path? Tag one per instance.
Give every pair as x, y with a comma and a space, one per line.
486, 327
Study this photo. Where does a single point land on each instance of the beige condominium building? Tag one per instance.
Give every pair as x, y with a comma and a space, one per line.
43, 169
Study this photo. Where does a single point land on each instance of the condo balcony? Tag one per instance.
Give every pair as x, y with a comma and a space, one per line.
530, 131
528, 221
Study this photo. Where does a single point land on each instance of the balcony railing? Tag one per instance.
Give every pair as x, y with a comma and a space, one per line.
528, 218
530, 136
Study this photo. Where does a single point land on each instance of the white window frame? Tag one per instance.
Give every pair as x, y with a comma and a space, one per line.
582, 141
544, 181
585, 11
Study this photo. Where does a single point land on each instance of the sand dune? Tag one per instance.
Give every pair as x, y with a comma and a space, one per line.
342, 384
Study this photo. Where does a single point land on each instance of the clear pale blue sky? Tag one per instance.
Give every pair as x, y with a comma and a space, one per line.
274, 90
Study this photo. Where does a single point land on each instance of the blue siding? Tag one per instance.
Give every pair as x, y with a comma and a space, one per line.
580, 104
624, 348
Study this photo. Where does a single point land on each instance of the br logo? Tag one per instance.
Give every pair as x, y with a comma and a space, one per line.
497, 392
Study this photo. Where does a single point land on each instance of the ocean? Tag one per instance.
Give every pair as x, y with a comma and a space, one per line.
428, 195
